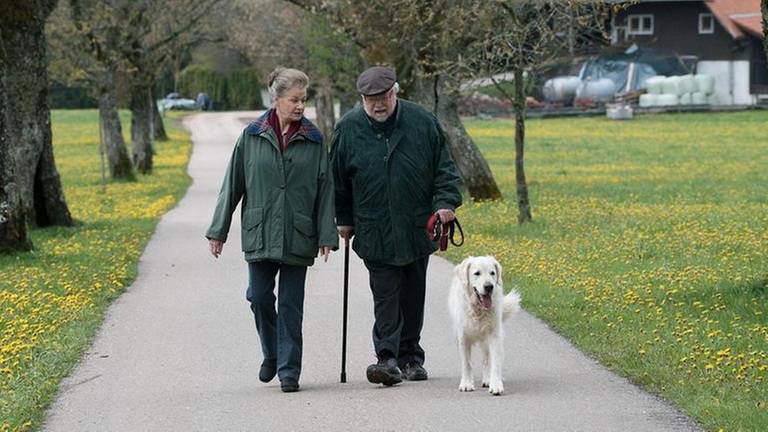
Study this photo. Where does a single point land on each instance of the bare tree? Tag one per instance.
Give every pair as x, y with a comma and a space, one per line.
155, 29
34, 188
523, 36
422, 40
83, 38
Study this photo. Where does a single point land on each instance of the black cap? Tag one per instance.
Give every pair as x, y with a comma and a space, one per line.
375, 80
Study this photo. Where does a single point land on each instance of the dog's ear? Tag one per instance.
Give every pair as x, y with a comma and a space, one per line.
497, 265
461, 271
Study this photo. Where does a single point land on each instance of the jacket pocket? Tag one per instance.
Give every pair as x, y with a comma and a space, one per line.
304, 242
253, 229
421, 242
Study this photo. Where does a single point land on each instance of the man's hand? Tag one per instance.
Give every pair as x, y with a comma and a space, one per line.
215, 246
445, 215
345, 231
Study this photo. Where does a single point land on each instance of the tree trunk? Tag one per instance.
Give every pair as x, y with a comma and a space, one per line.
120, 165
523, 204
472, 166
347, 101
157, 121
141, 135
326, 117
28, 124
764, 10
13, 228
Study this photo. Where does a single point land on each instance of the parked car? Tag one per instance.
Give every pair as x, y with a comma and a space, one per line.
174, 101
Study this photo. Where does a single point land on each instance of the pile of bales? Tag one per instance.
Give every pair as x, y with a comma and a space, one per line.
679, 90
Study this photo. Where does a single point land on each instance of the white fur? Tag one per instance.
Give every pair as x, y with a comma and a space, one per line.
478, 325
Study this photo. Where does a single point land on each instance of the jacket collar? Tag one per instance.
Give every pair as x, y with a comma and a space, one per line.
306, 129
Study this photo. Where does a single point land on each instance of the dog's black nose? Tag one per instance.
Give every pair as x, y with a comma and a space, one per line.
488, 287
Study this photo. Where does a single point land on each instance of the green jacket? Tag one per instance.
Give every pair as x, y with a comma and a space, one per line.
387, 188
287, 199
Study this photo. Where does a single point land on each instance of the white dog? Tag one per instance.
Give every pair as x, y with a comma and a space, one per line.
478, 306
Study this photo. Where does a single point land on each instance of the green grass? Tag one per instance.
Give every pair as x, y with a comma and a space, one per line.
52, 299
649, 249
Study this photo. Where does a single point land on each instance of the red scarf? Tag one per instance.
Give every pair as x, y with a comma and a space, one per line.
283, 139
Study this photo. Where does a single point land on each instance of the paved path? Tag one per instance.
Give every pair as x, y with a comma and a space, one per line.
178, 351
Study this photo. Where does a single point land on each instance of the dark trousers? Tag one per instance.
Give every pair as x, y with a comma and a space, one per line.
398, 308
279, 330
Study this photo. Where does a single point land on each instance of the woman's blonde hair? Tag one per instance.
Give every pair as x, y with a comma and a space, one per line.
282, 79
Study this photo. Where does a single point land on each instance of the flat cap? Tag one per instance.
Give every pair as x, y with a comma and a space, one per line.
375, 80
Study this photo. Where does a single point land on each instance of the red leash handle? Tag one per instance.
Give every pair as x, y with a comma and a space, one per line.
438, 232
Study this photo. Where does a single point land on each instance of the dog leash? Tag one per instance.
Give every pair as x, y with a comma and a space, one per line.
437, 231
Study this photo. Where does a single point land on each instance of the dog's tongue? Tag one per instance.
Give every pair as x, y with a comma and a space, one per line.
485, 300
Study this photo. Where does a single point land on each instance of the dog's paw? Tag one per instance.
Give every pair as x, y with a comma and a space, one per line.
466, 386
496, 388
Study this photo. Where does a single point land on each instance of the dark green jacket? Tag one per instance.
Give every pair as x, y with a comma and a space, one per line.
287, 200
387, 188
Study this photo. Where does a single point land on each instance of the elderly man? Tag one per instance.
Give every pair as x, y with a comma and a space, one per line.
392, 171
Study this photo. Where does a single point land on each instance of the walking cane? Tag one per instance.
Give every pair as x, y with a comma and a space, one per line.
344, 313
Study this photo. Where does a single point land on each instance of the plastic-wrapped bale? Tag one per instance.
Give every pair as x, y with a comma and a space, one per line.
667, 100
712, 99
705, 83
647, 100
688, 84
686, 99
699, 98
599, 90
671, 86
561, 89
653, 84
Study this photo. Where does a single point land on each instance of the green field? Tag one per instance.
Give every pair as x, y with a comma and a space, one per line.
649, 249
53, 299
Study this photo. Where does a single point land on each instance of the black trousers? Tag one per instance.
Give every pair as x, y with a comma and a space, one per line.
398, 308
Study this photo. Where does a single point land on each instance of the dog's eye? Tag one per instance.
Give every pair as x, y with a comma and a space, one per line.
493, 273
477, 273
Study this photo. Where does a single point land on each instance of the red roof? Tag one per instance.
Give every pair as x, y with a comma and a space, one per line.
738, 16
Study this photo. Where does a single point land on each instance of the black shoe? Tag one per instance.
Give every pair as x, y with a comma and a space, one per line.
413, 371
268, 370
384, 372
289, 385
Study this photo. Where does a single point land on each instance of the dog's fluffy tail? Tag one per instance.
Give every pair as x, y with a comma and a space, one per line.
511, 304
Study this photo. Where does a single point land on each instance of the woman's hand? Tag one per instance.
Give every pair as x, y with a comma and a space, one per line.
215, 246
325, 252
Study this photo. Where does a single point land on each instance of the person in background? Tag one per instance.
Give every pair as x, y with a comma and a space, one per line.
279, 169
392, 171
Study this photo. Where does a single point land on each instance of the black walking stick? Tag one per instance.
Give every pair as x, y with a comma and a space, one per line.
344, 313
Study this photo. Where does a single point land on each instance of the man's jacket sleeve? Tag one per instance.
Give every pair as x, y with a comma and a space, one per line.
341, 181
446, 181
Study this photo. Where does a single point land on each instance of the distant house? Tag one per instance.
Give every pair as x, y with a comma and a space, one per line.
722, 38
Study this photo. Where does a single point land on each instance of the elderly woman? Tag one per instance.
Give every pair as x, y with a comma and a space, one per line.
279, 169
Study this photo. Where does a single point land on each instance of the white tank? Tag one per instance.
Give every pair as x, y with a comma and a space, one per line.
705, 83
666, 100
647, 100
671, 86
653, 84
561, 89
599, 90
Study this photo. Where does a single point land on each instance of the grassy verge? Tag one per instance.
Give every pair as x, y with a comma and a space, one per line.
53, 299
649, 249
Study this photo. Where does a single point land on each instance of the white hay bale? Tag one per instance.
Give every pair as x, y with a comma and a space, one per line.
699, 98
653, 84
671, 86
667, 99
705, 83
647, 100
688, 84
